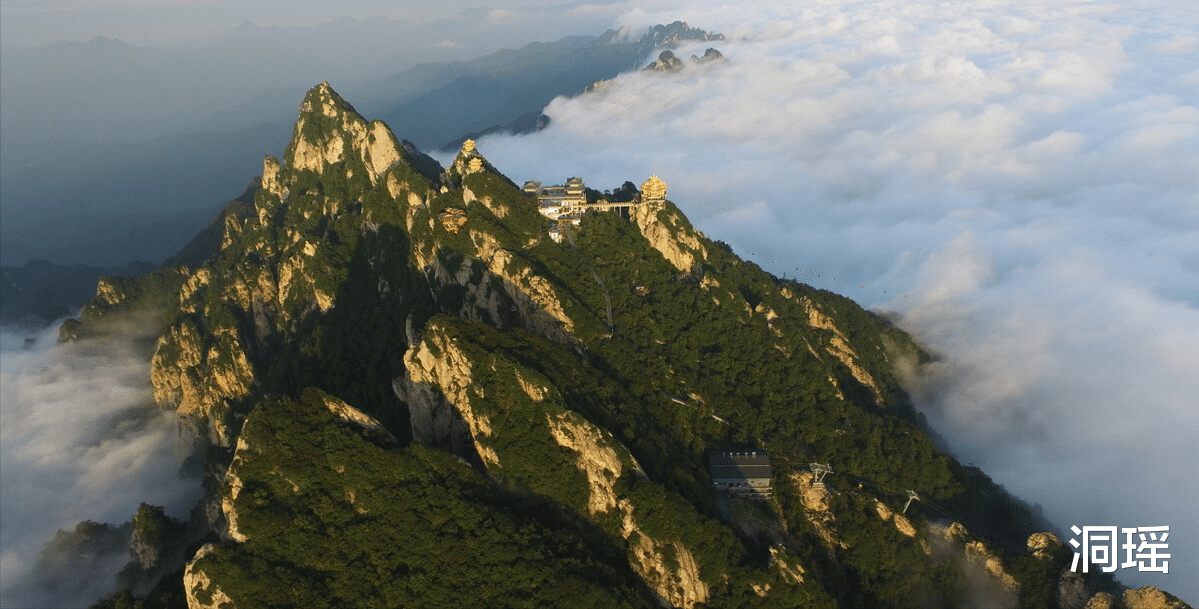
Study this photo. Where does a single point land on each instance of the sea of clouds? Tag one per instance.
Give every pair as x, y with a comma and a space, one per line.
80, 439
1017, 181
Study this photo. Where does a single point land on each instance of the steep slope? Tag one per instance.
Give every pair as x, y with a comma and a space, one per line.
416, 397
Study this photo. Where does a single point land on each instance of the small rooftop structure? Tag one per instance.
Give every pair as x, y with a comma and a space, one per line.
469, 159
654, 189
744, 474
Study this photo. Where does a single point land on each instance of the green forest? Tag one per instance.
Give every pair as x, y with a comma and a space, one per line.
332, 317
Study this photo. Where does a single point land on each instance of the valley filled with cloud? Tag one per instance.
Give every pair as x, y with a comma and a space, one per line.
82, 440
1017, 184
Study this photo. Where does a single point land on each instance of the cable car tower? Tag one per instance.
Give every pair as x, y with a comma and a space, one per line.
911, 495
819, 471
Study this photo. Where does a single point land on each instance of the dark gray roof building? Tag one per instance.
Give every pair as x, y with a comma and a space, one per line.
741, 473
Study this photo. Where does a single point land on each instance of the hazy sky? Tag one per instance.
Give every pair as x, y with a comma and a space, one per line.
167, 22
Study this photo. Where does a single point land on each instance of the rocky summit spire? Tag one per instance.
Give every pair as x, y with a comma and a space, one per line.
324, 100
329, 130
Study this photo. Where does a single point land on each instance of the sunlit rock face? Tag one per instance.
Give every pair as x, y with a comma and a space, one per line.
202, 592
329, 130
381, 347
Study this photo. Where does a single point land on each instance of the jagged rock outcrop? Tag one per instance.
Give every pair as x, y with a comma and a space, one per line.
816, 509
363, 421
681, 587
983, 566
200, 376
596, 458
838, 347
439, 375
603, 466
669, 234
709, 56
233, 486
279, 266
671, 35
902, 524
396, 364
1151, 597
201, 591
156, 537
126, 306
791, 571
443, 372
329, 130
667, 62
1043, 545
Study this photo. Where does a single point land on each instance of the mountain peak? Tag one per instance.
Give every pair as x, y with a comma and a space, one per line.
324, 100
372, 355
329, 130
470, 161
674, 34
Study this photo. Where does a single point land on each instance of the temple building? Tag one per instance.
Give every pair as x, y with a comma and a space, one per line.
567, 203
653, 190
556, 201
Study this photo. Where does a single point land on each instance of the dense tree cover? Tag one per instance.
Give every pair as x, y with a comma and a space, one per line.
127, 305
336, 520
667, 364
673, 339
168, 594
506, 364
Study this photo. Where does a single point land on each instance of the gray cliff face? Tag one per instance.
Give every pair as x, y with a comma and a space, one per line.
710, 55
673, 34
157, 547
434, 420
666, 62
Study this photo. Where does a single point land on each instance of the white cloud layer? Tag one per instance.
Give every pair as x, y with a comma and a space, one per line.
1018, 181
80, 439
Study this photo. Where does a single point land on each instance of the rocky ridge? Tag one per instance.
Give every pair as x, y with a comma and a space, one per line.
379, 348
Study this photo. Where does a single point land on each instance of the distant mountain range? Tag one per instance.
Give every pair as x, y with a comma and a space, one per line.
107, 205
